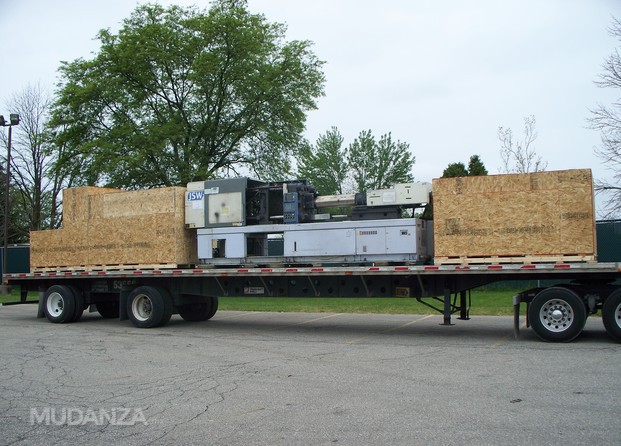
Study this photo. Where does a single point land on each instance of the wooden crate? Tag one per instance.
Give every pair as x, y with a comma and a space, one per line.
115, 228
546, 215
58, 248
80, 204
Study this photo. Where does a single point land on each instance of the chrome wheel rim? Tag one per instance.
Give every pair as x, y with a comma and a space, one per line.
556, 315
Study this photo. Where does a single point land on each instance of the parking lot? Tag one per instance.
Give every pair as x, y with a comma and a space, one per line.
303, 379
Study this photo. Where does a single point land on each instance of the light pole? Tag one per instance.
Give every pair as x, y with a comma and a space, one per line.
13, 120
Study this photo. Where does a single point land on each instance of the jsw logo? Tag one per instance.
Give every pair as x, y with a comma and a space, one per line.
196, 195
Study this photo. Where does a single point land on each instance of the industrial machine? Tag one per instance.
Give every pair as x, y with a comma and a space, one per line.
284, 239
243, 221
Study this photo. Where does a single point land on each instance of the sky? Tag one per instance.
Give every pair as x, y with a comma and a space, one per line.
440, 75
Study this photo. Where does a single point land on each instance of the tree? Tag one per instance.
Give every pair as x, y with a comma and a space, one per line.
475, 168
324, 164
520, 156
17, 223
455, 170
379, 164
36, 184
180, 95
607, 119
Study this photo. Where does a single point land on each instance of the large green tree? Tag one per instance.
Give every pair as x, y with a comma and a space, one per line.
181, 94
324, 164
377, 164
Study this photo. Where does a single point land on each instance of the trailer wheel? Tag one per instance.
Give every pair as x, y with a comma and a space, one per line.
79, 304
59, 304
149, 306
108, 310
557, 314
611, 315
198, 312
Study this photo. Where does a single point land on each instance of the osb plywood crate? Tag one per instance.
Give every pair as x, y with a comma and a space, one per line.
108, 228
536, 217
79, 204
58, 248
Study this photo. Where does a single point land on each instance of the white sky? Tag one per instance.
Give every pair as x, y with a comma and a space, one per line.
441, 75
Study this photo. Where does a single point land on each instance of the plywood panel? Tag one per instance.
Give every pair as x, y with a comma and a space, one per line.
112, 227
537, 214
80, 204
58, 248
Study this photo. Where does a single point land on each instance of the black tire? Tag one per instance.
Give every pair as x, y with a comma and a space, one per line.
149, 306
79, 304
557, 314
59, 304
108, 310
200, 311
611, 315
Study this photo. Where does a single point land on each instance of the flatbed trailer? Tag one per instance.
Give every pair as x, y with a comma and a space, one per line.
149, 296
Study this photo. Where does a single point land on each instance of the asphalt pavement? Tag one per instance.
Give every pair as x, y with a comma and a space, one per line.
246, 378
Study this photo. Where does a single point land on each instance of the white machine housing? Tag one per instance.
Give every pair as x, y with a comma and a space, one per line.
402, 240
405, 194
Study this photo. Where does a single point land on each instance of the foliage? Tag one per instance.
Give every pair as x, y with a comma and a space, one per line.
377, 164
180, 95
366, 164
324, 164
607, 119
520, 156
18, 223
36, 184
475, 168
455, 170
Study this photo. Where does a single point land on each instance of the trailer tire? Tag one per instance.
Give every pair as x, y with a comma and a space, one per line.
557, 314
59, 304
108, 310
611, 315
200, 311
79, 304
149, 306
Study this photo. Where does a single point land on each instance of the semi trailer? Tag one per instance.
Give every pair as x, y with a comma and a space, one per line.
249, 238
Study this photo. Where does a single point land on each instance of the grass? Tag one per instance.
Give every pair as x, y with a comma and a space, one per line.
15, 296
484, 302
497, 303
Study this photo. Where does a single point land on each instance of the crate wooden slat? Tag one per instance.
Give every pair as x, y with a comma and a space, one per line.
525, 260
113, 227
90, 268
545, 214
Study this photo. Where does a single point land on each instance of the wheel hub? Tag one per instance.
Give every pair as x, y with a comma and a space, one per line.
556, 315
55, 304
142, 307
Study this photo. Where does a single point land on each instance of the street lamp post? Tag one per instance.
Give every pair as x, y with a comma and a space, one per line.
13, 120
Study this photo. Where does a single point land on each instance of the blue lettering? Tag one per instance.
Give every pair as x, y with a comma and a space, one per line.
196, 195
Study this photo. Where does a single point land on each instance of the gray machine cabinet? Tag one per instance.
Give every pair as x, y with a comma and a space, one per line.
355, 241
217, 203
